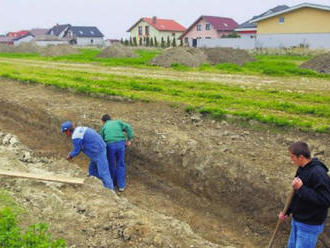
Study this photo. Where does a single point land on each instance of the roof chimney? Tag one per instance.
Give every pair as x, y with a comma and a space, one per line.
154, 19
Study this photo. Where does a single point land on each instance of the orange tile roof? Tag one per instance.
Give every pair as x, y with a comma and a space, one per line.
162, 24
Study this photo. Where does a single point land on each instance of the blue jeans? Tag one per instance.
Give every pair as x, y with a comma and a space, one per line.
116, 158
303, 235
98, 167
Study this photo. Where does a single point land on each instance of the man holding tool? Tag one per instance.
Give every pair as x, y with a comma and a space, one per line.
311, 199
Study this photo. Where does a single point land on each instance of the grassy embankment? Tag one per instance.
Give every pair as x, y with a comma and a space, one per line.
307, 111
13, 236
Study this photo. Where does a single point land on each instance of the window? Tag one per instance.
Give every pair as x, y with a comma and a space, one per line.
199, 27
92, 41
208, 26
147, 30
173, 34
226, 25
140, 30
281, 20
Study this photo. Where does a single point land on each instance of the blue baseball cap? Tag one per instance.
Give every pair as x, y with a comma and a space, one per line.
65, 126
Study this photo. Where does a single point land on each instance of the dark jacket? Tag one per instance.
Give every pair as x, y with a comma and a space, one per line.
311, 202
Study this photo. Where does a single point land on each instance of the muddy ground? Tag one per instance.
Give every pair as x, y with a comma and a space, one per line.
192, 181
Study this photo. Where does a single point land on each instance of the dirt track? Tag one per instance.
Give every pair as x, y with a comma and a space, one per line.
225, 181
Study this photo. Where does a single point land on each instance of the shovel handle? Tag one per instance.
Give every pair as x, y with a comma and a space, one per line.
285, 209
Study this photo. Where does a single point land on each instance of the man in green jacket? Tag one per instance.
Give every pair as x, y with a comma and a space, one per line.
117, 135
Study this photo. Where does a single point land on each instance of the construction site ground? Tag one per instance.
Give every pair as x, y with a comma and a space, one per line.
192, 181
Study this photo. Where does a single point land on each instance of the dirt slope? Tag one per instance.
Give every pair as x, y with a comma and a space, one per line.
227, 182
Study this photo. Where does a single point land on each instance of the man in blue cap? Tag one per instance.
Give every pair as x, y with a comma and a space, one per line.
88, 141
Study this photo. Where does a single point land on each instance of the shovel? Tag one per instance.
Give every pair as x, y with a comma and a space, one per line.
286, 207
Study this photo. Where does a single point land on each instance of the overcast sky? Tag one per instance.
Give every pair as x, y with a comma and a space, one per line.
114, 17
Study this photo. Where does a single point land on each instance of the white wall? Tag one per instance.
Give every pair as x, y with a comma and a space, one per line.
87, 41
313, 41
320, 40
242, 43
47, 43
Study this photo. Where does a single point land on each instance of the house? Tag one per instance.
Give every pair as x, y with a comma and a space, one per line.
6, 40
208, 27
111, 42
305, 24
248, 29
158, 29
78, 35
47, 40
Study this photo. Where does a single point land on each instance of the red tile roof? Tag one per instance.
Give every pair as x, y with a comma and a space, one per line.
18, 34
221, 23
161, 24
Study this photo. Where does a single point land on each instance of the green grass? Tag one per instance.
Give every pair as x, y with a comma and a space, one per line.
270, 65
307, 111
13, 236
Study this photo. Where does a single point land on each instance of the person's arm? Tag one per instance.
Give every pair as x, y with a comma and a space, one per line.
128, 129
320, 193
101, 132
77, 146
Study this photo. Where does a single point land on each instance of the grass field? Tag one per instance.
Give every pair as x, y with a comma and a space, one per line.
296, 101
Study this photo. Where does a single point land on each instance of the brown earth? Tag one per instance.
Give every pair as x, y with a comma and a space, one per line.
195, 57
59, 50
180, 55
192, 182
117, 51
320, 63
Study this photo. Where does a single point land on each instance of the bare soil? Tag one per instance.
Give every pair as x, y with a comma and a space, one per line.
320, 63
117, 51
192, 181
195, 57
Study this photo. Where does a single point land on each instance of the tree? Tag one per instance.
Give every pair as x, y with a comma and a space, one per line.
147, 41
162, 43
130, 41
168, 44
122, 41
140, 41
151, 42
134, 41
174, 42
181, 42
156, 42
126, 42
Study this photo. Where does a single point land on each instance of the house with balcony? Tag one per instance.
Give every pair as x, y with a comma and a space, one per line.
155, 28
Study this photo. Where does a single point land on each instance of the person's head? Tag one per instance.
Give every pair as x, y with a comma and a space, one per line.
299, 153
105, 118
67, 128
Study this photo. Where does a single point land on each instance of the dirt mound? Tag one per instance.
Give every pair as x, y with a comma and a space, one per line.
320, 63
59, 50
221, 55
117, 51
25, 47
181, 55
194, 57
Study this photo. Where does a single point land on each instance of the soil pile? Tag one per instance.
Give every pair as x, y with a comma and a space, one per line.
117, 51
25, 47
59, 50
181, 55
320, 63
195, 57
219, 55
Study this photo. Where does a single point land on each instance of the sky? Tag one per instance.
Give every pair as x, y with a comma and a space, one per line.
114, 18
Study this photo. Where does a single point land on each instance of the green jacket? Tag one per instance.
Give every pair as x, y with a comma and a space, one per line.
116, 130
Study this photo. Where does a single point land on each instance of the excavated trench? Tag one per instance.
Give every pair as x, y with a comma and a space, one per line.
223, 180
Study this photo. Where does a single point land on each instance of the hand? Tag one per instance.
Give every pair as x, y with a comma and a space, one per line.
128, 143
297, 183
282, 216
68, 157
